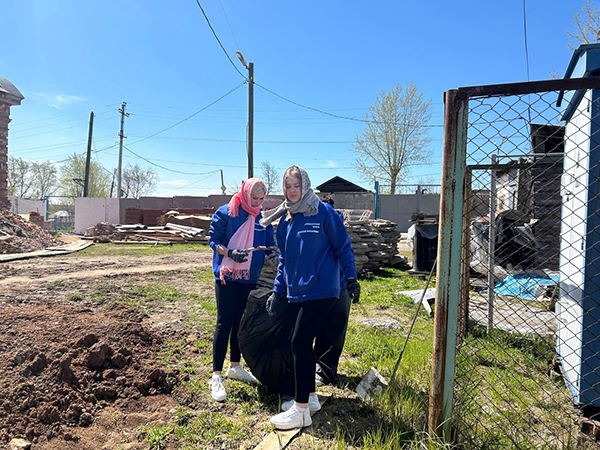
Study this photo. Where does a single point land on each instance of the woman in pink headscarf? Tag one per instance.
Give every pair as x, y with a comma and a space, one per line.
235, 228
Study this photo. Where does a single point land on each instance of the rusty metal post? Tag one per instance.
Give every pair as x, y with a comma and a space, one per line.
448, 272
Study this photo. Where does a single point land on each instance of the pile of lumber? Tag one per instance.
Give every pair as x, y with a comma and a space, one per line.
375, 244
189, 220
168, 234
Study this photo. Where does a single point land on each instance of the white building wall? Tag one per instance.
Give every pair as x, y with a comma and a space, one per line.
25, 205
89, 211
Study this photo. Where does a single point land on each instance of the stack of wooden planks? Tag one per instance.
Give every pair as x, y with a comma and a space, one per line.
168, 234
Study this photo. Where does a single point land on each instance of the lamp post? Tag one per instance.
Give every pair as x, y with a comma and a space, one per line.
250, 68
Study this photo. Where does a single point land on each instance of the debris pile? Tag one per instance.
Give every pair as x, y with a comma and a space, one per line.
101, 232
20, 236
375, 244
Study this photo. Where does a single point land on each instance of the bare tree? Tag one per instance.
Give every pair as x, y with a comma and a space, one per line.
19, 177
31, 179
395, 137
587, 26
138, 181
45, 179
271, 177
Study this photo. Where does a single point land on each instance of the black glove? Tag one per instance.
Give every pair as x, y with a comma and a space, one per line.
353, 289
239, 256
276, 303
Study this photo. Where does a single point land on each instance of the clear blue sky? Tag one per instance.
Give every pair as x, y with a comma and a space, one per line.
70, 57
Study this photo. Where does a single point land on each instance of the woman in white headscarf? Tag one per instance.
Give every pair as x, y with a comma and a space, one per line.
314, 247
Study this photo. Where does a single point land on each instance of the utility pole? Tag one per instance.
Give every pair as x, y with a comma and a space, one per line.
86, 182
250, 68
250, 120
121, 137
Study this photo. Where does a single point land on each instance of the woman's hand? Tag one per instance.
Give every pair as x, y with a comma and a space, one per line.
276, 303
353, 289
239, 256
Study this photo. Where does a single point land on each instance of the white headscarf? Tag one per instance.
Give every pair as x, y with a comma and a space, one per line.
307, 205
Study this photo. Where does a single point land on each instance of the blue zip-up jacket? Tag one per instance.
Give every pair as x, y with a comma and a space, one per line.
313, 250
223, 227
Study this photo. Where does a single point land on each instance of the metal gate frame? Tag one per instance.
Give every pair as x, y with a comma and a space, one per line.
450, 308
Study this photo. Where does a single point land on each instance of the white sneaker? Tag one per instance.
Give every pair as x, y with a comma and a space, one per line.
217, 390
313, 404
292, 418
240, 374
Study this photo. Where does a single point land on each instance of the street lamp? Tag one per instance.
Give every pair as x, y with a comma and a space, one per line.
250, 68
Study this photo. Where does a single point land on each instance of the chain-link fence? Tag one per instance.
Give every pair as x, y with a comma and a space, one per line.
527, 354
409, 189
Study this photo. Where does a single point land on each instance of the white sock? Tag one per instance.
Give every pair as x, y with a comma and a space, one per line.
300, 409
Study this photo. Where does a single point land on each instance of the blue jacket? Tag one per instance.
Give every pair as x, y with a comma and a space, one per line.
223, 227
313, 251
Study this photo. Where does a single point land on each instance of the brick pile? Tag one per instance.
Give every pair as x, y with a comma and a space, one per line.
20, 236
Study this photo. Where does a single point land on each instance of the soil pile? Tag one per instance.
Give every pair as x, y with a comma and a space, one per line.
61, 362
19, 236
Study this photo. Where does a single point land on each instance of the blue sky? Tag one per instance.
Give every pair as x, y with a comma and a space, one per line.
71, 57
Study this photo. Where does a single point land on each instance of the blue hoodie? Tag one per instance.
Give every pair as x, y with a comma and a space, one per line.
223, 227
313, 251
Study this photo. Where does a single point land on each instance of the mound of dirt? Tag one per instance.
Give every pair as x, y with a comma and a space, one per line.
61, 363
19, 236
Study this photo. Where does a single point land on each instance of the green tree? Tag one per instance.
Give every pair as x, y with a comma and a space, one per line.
587, 26
72, 174
396, 136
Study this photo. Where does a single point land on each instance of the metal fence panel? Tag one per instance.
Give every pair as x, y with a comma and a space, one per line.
527, 348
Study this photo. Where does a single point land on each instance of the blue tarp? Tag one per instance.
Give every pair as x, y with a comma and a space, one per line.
523, 285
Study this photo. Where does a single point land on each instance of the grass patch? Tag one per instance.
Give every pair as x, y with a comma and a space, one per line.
192, 432
108, 249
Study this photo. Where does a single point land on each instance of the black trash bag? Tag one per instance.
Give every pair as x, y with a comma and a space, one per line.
266, 343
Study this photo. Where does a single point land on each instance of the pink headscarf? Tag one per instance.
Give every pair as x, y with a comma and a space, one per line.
244, 198
243, 238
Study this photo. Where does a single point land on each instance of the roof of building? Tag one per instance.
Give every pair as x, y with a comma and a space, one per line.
10, 92
339, 184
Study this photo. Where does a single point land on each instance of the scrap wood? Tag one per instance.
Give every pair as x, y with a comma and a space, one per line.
279, 439
50, 251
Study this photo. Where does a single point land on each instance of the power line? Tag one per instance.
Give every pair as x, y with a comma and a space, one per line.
189, 117
13, 132
525, 38
228, 23
184, 138
218, 40
54, 131
63, 115
328, 113
166, 168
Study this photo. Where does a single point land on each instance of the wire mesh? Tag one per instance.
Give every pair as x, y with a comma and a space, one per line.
409, 189
528, 361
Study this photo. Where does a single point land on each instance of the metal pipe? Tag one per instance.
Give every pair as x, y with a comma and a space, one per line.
492, 247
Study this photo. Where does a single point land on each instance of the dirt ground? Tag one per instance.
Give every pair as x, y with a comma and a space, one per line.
78, 370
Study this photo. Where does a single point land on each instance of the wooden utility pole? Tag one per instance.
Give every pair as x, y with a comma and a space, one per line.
250, 120
88, 158
121, 137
